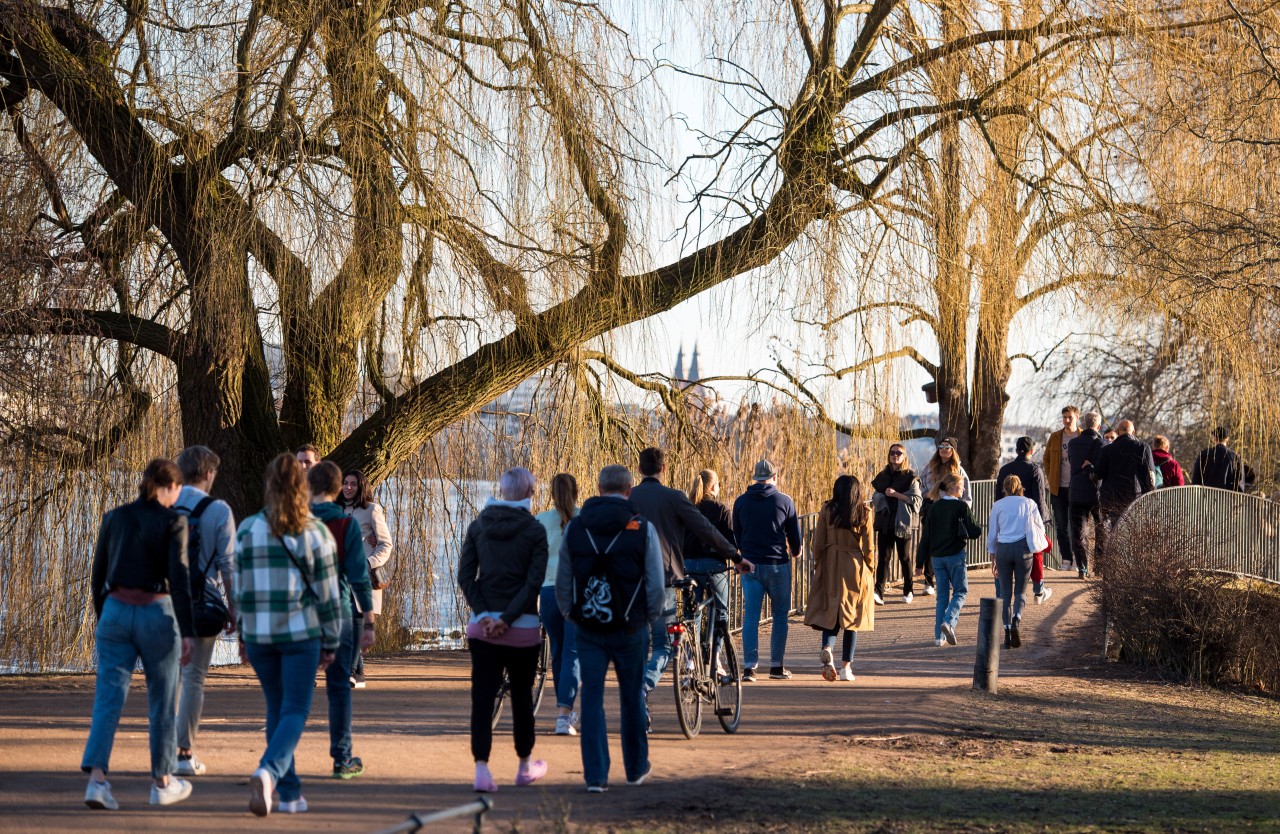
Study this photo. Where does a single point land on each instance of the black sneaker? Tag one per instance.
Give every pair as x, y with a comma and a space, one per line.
349, 769
1014, 639
749, 674
779, 673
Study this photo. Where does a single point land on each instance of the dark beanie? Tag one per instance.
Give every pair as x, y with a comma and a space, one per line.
1025, 444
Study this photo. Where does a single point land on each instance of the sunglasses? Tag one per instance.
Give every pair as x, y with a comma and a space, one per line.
895, 454
945, 446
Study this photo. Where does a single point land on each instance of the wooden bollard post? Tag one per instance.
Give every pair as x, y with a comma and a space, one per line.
986, 667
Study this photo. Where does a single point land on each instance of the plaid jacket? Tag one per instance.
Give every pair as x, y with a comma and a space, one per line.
271, 593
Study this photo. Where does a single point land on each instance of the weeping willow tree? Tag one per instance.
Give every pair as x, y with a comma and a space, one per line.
257, 203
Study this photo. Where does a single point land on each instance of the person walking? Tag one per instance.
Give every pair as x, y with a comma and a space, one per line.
290, 621
1034, 487
767, 530
211, 544
1218, 466
897, 501
142, 600
1125, 470
356, 633
561, 633
701, 561
1171, 473
941, 541
500, 573
358, 502
610, 583
673, 516
945, 461
1015, 534
844, 571
1057, 471
1083, 452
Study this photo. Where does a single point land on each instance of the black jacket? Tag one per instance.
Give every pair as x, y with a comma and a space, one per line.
143, 545
503, 562
1219, 467
1087, 446
718, 514
1034, 483
673, 515
1124, 468
766, 525
940, 535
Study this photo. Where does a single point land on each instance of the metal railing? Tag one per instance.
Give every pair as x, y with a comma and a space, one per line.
1226, 531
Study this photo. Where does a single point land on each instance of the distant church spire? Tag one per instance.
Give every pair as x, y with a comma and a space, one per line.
693, 365
679, 374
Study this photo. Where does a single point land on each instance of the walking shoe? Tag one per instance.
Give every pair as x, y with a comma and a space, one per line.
349, 769
98, 796
937, 641
293, 806
260, 788
1082, 573
846, 674
189, 766
878, 598
1044, 594
779, 673
484, 780
597, 788
907, 598
1015, 640
749, 674
828, 664
930, 589
564, 726
1008, 643
357, 681
172, 793
640, 780
530, 772
949, 634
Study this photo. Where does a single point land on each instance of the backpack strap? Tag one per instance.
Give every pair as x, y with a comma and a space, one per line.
195, 513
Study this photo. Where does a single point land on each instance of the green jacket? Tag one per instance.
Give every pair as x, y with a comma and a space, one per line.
940, 535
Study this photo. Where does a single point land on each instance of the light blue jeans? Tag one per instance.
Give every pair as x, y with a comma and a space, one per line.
287, 672
953, 587
124, 634
563, 636
774, 580
660, 642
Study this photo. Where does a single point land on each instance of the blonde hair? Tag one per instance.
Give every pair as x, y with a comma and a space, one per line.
1160, 442
1013, 485
702, 484
285, 495
951, 482
939, 470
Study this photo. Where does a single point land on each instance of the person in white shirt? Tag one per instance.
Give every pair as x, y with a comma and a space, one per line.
1015, 534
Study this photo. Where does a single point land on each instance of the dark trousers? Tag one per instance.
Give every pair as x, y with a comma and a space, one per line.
887, 543
1062, 522
1080, 512
926, 563
487, 664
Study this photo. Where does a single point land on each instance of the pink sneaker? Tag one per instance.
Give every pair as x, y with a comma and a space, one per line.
528, 774
484, 782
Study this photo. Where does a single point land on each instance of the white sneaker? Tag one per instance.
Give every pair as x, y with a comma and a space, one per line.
260, 788
907, 598
938, 642
828, 663
846, 674
293, 806
564, 726
172, 793
879, 599
1045, 593
949, 633
931, 590
98, 796
190, 766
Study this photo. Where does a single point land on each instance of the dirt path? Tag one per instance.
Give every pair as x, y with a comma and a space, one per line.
411, 730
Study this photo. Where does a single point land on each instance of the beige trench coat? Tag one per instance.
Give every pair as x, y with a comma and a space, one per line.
844, 577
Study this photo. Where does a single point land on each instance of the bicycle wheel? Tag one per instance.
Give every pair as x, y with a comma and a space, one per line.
728, 685
540, 676
684, 675
500, 699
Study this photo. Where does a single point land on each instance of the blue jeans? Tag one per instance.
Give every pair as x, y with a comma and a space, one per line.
626, 650
660, 642
124, 634
337, 685
850, 643
712, 576
287, 672
953, 587
563, 636
774, 580
1013, 565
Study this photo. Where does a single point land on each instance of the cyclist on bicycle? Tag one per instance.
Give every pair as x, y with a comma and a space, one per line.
701, 561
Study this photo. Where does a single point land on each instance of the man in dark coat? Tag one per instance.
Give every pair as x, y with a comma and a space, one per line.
1218, 466
1083, 452
1125, 470
673, 515
1034, 486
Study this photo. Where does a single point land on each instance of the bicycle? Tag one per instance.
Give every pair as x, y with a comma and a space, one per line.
539, 681
705, 663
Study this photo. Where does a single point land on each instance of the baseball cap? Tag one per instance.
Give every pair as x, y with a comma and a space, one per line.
763, 471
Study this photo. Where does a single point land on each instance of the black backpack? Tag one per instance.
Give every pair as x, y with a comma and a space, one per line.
605, 591
208, 610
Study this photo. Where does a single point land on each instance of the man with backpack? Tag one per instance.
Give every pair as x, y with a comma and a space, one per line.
211, 537
325, 481
610, 583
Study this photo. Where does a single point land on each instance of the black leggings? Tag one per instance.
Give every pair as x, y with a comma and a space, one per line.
886, 543
487, 664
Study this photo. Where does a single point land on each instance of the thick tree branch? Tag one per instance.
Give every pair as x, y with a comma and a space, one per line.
105, 324
907, 352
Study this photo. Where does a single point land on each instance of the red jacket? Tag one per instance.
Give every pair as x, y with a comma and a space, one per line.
1170, 469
